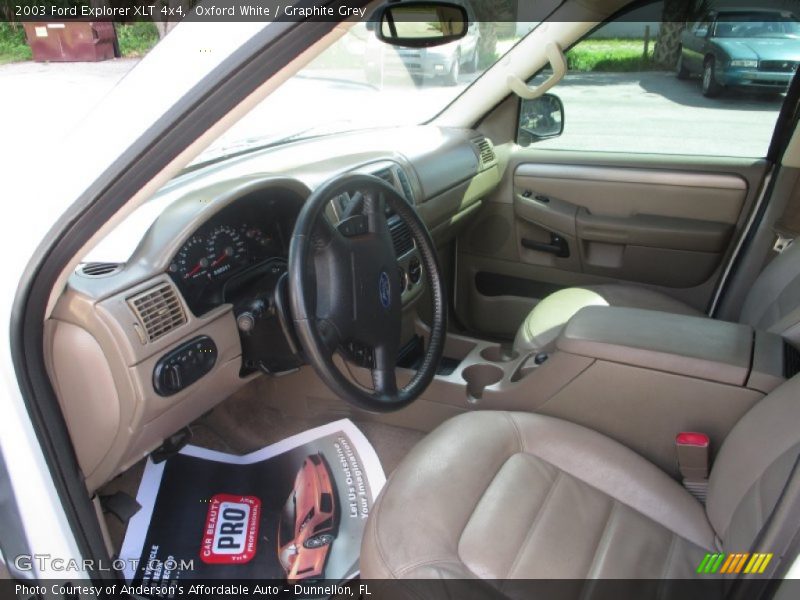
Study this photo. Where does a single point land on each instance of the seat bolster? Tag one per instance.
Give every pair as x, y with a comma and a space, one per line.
431, 496
616, 471
743, 487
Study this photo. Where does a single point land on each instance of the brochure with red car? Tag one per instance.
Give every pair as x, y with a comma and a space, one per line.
293, 511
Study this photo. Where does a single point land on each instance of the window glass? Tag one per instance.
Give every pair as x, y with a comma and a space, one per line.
360, 82
709, 85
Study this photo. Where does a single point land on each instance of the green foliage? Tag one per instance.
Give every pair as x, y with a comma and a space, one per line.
136, 39
12, 43
610, 56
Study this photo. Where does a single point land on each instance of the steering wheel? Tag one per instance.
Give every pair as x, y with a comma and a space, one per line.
346, 288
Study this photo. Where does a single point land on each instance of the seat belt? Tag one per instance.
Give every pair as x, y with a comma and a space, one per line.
692, 449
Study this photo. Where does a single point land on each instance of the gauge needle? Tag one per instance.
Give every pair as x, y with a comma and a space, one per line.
194, 271
219, 260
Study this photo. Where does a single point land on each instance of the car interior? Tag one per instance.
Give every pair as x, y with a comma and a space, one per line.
521, 333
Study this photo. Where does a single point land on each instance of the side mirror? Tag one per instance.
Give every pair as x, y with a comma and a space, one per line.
701, 32
540, 118
420, 24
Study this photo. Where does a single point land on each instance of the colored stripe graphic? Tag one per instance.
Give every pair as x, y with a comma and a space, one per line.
728, 562
701, 568
763, 566
752, 563
734, 563
740, 564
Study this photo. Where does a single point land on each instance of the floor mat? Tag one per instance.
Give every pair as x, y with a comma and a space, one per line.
245, 423
294, 510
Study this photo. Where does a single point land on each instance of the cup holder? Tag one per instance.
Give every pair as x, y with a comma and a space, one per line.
499, 354
478, 377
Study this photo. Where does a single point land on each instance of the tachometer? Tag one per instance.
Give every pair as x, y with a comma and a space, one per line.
258, 237
191, 263
226, 249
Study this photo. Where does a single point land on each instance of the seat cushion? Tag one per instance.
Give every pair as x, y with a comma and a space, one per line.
545, 321
501, 495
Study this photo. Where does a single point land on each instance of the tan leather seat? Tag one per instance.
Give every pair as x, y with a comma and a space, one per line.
500, 495
771, 304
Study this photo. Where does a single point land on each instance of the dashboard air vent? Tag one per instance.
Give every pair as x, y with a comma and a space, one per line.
159, 310
403, 179
485, 149
386, 175
401, 236
98, 269
397, 178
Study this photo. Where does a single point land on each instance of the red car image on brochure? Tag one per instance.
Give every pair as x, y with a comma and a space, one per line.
309, 521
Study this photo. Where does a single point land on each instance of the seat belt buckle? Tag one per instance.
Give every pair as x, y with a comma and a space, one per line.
782, 241
693, 453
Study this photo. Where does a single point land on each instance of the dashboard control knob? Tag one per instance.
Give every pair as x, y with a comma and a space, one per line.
174, 380
246, 322
182, 366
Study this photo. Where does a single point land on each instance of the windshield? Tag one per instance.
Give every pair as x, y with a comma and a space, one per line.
750, 25
360, 82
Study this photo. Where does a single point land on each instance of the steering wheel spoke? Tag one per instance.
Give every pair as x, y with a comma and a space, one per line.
326, 236
384, 376
329, 336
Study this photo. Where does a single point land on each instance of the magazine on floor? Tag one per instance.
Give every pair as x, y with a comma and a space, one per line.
294, 511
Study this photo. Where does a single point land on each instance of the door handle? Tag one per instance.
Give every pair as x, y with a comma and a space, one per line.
558, 245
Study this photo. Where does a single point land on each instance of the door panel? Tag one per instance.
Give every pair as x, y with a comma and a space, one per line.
568, 218
627, 192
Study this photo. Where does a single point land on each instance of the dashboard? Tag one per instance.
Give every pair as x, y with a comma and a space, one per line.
234, 242
183, 306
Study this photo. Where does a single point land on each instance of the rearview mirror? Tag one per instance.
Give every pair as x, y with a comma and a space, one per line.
419, 24
540, 118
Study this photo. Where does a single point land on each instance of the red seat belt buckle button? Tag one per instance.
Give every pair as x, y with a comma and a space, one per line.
692, 438
692, 451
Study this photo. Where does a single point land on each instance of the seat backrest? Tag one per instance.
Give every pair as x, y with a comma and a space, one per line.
773, 303
753, 466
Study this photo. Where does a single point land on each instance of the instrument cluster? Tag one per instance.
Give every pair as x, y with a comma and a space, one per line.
223, 250
236, 240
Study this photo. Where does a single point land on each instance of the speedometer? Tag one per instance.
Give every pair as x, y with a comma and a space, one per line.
191, 262
226, 249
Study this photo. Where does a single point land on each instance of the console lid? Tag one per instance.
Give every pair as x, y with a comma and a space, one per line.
690, 346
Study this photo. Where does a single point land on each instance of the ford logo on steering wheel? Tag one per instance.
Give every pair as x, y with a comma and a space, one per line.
384, 289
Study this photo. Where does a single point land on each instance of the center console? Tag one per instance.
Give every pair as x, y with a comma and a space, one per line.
638, 376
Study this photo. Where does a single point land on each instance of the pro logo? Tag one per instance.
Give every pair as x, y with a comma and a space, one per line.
231, 530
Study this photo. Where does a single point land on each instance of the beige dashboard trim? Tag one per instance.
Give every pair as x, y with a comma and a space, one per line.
127, 405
